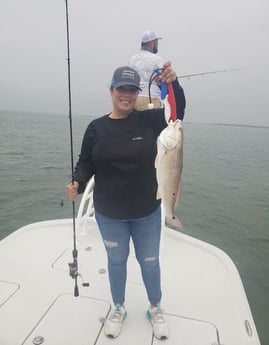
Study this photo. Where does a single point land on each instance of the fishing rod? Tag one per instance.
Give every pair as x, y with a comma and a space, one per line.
210, 72
73, 266
158, 71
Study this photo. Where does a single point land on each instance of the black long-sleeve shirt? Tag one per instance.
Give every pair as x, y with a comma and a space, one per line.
120, 153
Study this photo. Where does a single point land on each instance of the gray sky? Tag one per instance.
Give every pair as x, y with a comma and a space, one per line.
199, 36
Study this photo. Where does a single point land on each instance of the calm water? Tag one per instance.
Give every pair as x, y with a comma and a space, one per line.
225, 196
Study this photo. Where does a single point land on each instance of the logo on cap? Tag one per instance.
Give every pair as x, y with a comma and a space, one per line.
127, 74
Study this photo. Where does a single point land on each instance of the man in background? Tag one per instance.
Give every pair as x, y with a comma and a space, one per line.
145, 62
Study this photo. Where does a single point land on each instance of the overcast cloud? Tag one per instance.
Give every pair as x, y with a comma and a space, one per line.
199, 36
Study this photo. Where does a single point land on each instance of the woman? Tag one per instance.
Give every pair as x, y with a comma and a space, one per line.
119, 149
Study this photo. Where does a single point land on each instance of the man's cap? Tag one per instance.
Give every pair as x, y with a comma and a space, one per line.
149, 36
125, 76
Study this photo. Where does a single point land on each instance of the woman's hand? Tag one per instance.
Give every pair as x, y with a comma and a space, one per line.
72, 190
168, 74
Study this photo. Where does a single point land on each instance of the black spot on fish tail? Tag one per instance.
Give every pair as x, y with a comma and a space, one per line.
175, 222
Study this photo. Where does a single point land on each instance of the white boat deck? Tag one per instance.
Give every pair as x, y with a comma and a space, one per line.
203, 297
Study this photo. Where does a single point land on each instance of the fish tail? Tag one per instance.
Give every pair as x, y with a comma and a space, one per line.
174, 221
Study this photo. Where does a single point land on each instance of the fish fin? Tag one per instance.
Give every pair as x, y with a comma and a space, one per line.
175, 222
156, 161
159, 159
158, 194
178, 194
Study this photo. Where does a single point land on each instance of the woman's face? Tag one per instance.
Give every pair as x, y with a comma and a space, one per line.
124, 98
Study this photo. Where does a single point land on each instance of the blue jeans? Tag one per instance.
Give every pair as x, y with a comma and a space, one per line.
145, 233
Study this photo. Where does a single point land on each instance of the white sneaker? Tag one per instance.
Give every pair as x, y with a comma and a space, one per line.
112, 326
159, 325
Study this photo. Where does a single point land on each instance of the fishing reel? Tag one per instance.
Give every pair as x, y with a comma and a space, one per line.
74, 273
73, 269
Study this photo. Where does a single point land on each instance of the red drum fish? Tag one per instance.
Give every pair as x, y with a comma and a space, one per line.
169, 165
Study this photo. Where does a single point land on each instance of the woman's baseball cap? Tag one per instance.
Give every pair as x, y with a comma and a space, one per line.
125, 75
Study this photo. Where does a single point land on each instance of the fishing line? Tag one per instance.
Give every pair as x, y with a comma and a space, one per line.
73, 266
154, 74
166, 90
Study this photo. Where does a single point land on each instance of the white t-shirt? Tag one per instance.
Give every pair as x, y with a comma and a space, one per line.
145, 63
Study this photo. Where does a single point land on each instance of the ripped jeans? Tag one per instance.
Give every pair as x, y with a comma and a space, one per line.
145, 233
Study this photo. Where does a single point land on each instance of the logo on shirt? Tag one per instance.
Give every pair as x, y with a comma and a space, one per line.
137, 138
